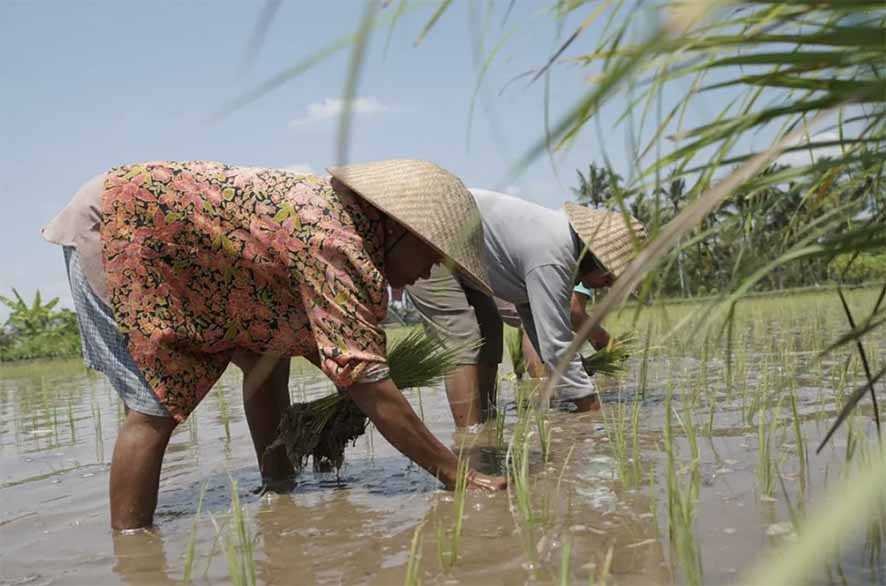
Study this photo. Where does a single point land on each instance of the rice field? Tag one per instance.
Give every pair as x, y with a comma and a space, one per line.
702, 460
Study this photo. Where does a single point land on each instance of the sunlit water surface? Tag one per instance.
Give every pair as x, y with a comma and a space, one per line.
58, 424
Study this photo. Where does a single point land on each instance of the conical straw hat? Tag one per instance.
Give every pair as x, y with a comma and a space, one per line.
430, 202
613, 238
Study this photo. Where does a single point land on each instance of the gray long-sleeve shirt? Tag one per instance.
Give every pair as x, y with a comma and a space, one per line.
530, 256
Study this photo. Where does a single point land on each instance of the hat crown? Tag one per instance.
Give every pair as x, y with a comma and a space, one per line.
430, 202
612, 237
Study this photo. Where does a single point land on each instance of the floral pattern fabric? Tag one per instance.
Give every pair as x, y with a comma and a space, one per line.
204, 258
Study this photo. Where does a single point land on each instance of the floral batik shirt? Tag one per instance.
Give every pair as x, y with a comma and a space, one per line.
203, 258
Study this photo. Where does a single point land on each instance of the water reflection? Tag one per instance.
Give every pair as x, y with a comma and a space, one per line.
56, 417
140, 558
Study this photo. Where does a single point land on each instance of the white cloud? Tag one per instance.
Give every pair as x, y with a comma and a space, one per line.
332, 107
808, 156
300, 168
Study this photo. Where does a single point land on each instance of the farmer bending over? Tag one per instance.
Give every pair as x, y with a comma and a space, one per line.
178, 269
534, 257
578, 312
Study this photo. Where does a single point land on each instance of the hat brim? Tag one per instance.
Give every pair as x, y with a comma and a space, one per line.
450, 262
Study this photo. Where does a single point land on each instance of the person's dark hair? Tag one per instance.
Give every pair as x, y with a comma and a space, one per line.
588, 262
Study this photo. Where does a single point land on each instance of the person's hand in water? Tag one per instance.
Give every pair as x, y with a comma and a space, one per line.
485, 482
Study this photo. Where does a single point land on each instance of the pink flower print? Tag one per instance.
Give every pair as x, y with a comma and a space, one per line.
196, 302
161, 174
189, 189
244, 177
163, 231
301, 195
259, 331
240, 305
310, 214
295, 245
254, 250
214, 195
265, 209
262, 227
124, 194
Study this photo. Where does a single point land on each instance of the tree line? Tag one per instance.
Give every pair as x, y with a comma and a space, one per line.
760, 227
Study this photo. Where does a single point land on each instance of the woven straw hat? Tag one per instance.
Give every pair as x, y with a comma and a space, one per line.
430, 202
607, 235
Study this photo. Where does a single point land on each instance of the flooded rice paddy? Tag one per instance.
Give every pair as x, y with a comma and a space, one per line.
697, 464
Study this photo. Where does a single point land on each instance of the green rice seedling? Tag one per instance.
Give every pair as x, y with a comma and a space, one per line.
603, 569
543, 427
635, 441
413, 565
565, 560
97, 425
238, 545
709, 426
844, 509
644, 362
610, 361
550, 499
191, 548
71, 424
687, 423
520, 493
681, 504
766, 428
224, 412
615, 419
875, 536
514, 342
802, 454
48, 410
500, 416
764, 465
449, 542
323, 428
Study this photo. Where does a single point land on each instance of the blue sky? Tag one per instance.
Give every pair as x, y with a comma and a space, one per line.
91, 84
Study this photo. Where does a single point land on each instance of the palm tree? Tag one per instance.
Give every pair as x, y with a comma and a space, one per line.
598, 188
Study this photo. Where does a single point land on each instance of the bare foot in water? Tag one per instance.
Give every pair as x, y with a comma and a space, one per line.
585, 404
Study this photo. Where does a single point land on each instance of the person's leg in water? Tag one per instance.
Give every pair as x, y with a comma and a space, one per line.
144, 435
135, 469
584, 404
463, 393
265, 398
491, 332
458, 315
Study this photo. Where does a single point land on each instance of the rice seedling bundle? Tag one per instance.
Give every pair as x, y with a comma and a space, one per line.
324, 427
611, 359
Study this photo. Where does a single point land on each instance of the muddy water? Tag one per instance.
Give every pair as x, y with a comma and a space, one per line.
58, 423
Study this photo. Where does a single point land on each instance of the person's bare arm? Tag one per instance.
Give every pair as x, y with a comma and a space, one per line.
598, 336
394, 417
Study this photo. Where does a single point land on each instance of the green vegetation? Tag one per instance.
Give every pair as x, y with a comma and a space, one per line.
321, 429
449, 540
239, 548
757, 229
413, 566
514, 343
38, 330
